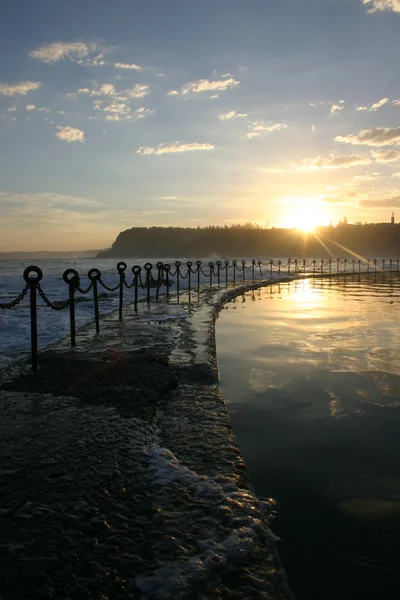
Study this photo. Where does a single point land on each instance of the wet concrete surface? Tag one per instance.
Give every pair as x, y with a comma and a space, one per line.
120, 474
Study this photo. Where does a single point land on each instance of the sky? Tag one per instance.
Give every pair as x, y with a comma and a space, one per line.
185, 113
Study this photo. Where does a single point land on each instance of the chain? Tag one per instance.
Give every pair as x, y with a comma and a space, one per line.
81, 291
16, 300
63, 303
129, 286
106, 287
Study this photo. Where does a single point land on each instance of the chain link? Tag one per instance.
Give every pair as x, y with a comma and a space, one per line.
16, 300
63, 303
81, 291
106, 287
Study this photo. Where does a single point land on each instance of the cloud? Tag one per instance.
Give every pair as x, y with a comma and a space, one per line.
381, 5
12, 109
232, 115
204, 85
30, 107
70, 134
173, 93
332, 162
138, 91
336, 108
393, 202
124, 114
367, 176
381, 136
52, 53
19, 89
260, 128
361, 108
174, 148
106, 89
379, 104
383, 156
132, 66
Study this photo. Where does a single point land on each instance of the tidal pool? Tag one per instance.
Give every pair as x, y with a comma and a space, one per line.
311, 373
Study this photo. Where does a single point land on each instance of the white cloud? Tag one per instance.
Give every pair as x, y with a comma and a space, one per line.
336, 108
333, 162
379, 104
30, 107
204, 85
381, 136
12, 109
367, 176
106, 89
232, 115
19, 89
70, 134
142, 112
115, 107
174, 148
396, 102
119, 65
380, 5
138, 91
362, 108
260, 128
52, 53
173, 93
383, 156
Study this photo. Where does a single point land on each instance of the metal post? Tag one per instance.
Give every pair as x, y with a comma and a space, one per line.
234, 272
33, 283
211, 267
167, 269
94, 275
136, 272
71, 277
121, 267
244, 270
198, 265
189, 276
177, 265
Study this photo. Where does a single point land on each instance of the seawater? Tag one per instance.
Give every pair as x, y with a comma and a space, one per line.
53, 325
310, 371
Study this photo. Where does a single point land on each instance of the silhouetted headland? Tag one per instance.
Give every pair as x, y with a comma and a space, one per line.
344, 239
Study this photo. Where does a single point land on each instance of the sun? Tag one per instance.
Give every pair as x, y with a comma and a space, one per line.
305, 218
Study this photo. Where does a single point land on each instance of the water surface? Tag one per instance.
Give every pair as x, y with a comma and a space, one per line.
310, 370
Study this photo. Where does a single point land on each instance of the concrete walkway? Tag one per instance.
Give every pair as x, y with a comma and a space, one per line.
120, 474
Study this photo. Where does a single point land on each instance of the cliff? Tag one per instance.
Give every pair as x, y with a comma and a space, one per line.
368, 241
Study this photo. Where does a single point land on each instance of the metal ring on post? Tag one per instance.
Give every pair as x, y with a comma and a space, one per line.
121, 267
74, 279
28, 278
94, 274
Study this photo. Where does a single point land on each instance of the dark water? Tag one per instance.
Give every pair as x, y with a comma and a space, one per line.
311, 374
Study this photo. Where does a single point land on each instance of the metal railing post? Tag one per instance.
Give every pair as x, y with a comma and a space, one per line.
94, 276
33, 283
121, 268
